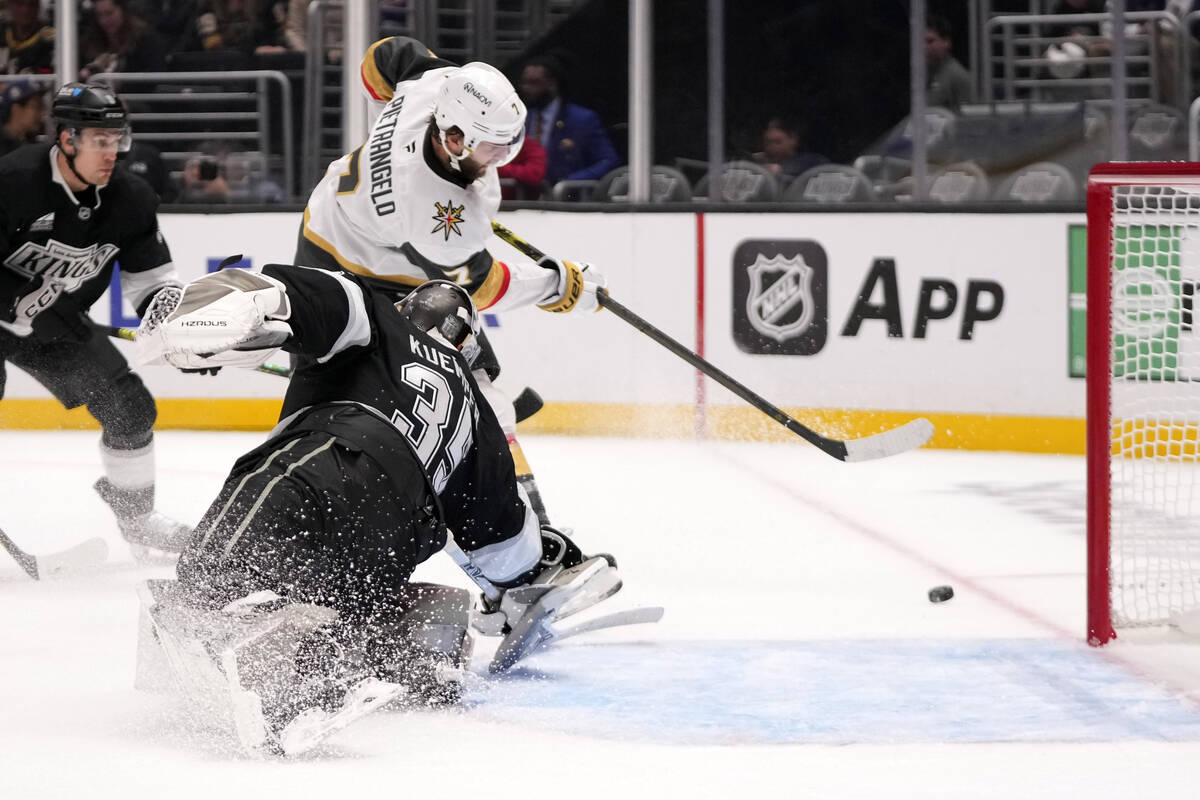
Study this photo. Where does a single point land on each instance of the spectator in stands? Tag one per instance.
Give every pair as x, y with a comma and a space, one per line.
222, 175
172, 19
781, 152
116, 39
27, 46
528, 169
22, 114
947, 82
295, 29
577, 148
203, 181
248, 26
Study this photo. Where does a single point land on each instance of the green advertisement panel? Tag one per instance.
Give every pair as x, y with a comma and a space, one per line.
1152, 302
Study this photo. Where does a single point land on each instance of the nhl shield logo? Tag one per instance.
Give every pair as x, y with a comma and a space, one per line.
779, 304
780, 297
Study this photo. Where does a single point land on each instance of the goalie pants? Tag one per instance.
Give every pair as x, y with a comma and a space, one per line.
314, 518
90, 373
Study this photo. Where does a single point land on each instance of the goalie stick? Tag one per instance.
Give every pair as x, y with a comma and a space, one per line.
908, 436
85, 554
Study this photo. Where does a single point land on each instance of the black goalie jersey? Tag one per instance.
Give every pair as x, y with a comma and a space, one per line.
401, 393
54, 242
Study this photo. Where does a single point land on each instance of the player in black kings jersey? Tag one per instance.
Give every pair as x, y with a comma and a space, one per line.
384, 442
68, 212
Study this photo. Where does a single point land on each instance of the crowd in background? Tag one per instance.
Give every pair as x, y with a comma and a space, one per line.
568, 144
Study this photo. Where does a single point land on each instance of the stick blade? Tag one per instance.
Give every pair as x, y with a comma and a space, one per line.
89, 553
908, 436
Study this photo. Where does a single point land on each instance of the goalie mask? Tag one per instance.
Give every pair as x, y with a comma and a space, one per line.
479, 101
445, 311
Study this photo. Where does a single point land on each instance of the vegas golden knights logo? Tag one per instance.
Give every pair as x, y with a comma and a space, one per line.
448, 218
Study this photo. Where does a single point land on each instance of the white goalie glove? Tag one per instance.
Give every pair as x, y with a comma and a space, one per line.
231, 318
578, 282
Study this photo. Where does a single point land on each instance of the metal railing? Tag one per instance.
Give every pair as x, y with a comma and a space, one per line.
1194, 130
247, 120
1024, 64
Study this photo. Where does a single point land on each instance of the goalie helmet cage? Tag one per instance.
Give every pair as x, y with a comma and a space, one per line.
1143, 395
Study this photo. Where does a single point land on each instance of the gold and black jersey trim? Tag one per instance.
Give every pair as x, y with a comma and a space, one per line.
372, 77
394, 60
349, 180
493, 287
326, 247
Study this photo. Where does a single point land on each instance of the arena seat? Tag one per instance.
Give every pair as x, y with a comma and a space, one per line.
742, 182
830, 183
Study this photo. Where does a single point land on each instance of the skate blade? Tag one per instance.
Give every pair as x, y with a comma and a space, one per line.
532, 630
310, 728
600, 586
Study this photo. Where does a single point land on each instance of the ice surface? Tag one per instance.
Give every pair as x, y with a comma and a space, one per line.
798, 656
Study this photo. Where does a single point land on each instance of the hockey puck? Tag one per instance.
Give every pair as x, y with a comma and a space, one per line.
940, 594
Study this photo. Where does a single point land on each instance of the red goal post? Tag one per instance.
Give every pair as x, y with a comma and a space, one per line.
1143, 395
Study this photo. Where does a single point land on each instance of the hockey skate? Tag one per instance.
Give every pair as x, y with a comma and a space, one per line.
152, 535
563, 583
555, 594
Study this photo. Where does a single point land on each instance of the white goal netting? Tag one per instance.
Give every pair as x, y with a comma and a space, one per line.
1155, 386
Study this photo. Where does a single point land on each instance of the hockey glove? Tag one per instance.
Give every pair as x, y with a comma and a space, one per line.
577, 285
227, 318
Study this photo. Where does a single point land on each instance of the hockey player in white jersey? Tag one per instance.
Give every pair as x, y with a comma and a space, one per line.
415, 203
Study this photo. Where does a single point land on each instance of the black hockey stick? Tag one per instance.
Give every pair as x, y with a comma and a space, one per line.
526, 404
129, 335
908, 436
85, 554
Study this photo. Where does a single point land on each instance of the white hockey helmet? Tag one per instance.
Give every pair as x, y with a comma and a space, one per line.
479, 101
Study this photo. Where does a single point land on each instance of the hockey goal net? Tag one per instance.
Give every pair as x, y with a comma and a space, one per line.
1143, 395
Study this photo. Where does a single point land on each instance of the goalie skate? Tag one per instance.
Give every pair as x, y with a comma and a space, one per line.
531, 611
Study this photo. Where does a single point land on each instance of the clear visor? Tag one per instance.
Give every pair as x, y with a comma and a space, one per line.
106, 140
489, 153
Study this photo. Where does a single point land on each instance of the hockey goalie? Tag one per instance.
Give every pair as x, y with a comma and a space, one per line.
293, 609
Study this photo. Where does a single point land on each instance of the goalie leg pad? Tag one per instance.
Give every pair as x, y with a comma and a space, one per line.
427, 647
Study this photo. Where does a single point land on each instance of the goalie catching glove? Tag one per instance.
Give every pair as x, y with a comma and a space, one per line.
577, 285
231, 318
